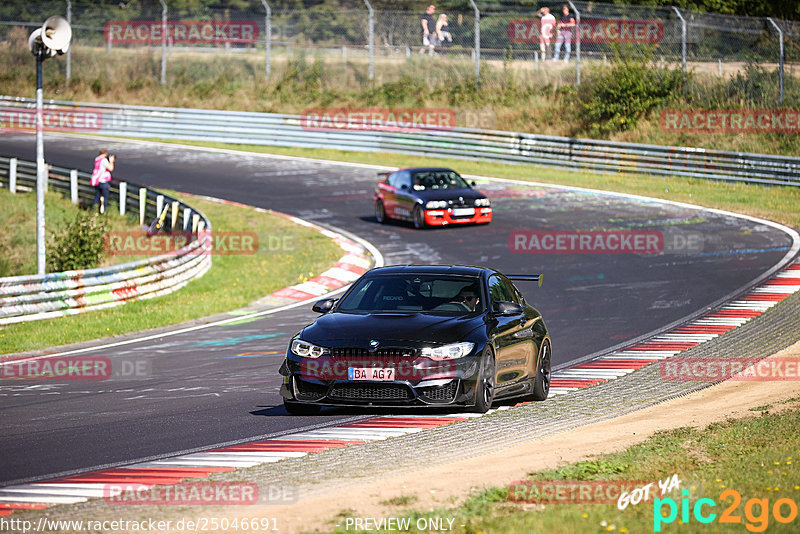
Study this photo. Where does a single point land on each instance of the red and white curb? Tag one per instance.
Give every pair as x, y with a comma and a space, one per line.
667, 344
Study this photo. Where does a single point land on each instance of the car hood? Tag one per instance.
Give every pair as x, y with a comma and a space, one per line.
449, 194
346, 329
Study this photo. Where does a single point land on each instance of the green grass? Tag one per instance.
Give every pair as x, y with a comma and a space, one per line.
776, 203
232, 282
756, 456
18, 241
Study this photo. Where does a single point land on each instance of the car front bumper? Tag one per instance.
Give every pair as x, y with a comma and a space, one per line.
445, 217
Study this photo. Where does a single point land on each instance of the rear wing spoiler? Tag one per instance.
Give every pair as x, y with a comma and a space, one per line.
526, 278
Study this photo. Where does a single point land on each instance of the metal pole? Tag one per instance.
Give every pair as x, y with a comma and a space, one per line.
577, 43
683, 45
477, 41
163, 42
268, 36
780, 59
41, 171
69, 50
371, 43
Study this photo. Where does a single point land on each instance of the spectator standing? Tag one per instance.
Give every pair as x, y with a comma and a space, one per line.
101, 178
442, 31
548, 24
428, 30
565, 27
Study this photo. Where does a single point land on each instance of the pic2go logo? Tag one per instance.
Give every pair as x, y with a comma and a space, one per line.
756, 511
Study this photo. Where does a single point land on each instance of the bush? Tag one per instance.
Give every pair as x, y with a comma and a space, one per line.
80, 246
623, 94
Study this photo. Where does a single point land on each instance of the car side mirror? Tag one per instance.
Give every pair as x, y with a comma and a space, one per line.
473, 183
323, 306
506, 308
404, 187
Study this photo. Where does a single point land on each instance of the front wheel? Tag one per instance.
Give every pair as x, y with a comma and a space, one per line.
297, 408
484, 394
541, 385
419, 218
380, 212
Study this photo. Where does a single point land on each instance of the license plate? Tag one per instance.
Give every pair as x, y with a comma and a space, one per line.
461, 212
370, 373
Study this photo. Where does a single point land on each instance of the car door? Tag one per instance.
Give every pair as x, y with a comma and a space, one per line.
404, 195
388, 193
511, 351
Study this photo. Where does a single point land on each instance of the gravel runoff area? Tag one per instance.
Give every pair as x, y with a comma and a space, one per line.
316, 474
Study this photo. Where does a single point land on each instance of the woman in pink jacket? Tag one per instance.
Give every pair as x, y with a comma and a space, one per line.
101, 178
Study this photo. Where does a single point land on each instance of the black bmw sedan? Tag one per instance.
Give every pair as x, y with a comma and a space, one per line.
420, 336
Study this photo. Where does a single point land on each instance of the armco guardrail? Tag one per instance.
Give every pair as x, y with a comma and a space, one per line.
289, 130
28, 298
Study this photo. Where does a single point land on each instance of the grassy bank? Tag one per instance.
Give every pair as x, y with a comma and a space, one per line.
515, 94
18, 240
756, 457
232, 282
780, 204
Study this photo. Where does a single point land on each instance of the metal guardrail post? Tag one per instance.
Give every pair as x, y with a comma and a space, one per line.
159, 205
12, 175
69, 50
267, 37
163, 42
477, 41
123, 197
577, 42
683, 45
73, 186
371, 43
780, 59
142, 204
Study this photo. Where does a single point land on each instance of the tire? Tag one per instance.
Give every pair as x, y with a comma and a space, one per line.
418, 217
485, 386
380, 212
296, 408
541, 384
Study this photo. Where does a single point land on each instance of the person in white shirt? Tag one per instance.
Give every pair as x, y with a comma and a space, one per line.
548, 24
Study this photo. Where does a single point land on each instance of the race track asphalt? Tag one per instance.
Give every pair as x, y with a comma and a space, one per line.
201, 389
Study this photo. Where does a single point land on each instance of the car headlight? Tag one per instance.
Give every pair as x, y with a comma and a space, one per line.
448, 352
436, 204
308, 350
482, 202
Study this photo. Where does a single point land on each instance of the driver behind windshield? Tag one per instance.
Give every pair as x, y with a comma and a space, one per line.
469, 297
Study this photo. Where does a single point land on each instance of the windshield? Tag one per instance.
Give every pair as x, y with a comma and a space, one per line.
447, 295
437, 180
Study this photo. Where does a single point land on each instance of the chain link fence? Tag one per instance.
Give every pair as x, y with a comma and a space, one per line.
363, 43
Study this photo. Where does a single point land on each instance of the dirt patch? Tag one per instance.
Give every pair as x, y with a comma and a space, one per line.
449, 483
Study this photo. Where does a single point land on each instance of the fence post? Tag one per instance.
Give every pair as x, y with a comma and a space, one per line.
477, 41
187, 212
577, 43
371, 44
780, 58
683, 45
69, 50
142, 204
123, 197
268, 36
73, 186
163, 42
12, 175
159, 205
175, 206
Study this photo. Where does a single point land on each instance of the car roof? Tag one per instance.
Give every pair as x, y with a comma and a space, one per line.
423, 169
457, 270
